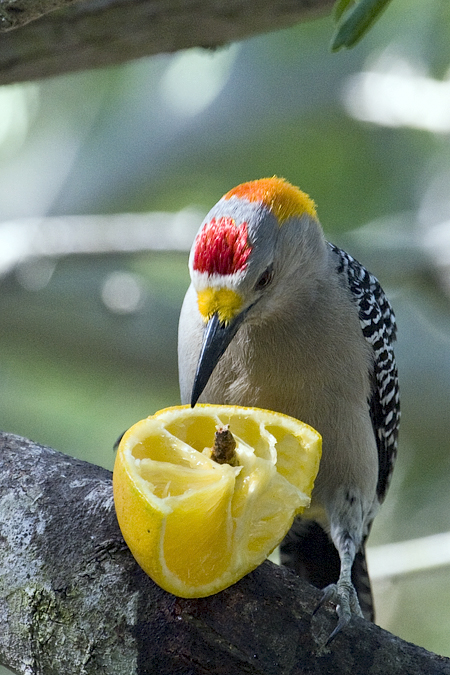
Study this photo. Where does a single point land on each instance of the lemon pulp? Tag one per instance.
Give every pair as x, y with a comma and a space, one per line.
196, 526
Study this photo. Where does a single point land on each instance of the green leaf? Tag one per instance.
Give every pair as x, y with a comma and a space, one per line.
339, 8
357, 23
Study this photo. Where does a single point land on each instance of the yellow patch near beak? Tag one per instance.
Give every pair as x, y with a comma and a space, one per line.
223, 301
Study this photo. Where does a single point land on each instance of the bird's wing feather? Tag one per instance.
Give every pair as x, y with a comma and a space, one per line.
378, 325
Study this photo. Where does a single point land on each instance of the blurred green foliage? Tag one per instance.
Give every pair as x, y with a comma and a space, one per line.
354, 18
175, 131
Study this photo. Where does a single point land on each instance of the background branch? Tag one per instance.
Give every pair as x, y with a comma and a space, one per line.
73, 600
95, 33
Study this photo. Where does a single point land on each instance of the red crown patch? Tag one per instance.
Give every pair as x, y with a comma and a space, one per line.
222, 247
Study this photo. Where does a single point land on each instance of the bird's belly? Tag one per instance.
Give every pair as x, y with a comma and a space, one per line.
337, 410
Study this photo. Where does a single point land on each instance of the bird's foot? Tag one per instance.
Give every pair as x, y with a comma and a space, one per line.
344, 596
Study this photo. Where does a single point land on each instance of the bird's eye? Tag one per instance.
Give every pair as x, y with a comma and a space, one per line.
265, 279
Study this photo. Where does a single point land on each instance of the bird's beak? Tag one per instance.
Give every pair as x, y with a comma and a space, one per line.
216, 338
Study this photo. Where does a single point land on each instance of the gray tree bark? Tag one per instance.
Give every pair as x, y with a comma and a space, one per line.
73, 601
49, 37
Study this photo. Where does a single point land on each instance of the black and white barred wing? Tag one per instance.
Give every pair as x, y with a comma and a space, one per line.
378, 325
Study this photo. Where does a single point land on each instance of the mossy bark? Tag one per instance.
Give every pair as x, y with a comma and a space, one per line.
74, 601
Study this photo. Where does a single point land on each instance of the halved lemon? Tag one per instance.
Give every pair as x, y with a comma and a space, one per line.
196, 526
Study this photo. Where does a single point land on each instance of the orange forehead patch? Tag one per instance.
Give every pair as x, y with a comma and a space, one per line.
282, 198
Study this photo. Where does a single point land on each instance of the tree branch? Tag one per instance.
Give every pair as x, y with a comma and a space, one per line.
74, 601
94, 33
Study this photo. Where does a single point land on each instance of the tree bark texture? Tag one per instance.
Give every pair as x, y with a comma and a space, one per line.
74, 601
49, 37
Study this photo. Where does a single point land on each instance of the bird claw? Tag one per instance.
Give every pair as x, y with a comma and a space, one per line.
344, 596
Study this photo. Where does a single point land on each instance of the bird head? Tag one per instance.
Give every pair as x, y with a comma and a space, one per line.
247, 248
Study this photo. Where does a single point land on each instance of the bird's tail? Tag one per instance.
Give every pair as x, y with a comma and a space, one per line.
308, 550
361, 582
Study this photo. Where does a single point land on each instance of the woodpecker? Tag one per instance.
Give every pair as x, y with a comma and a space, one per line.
278, 318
